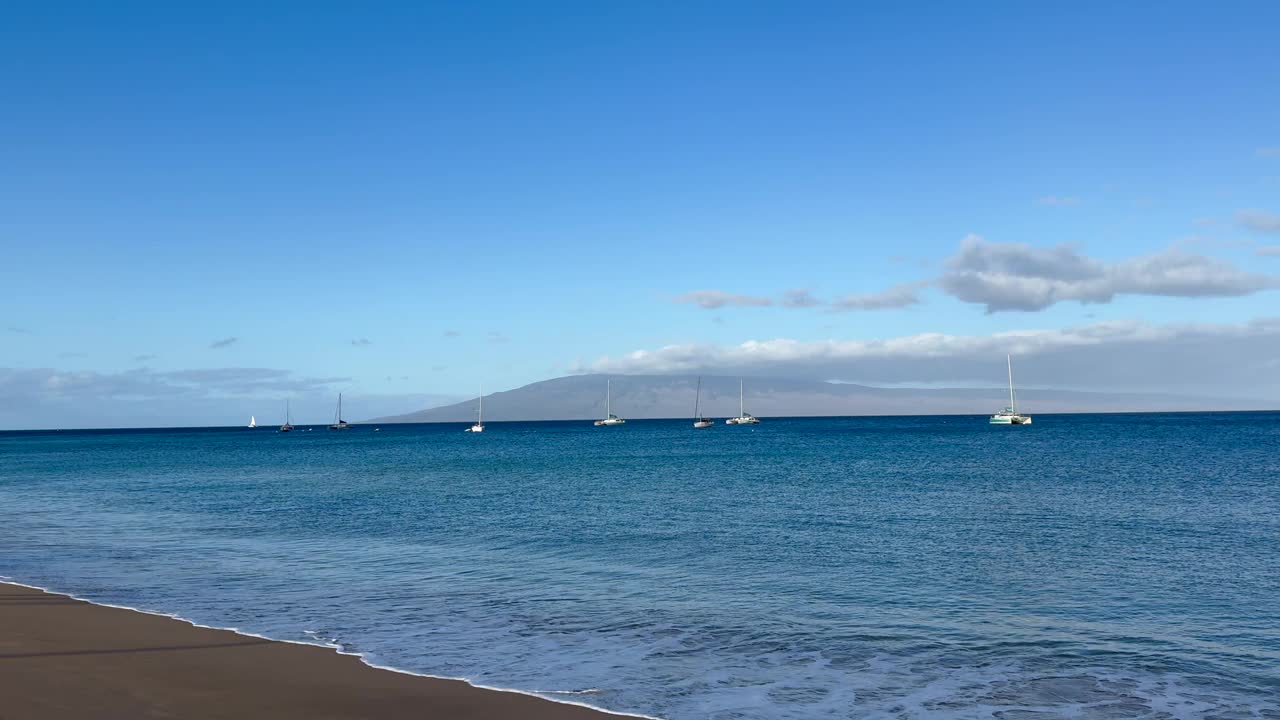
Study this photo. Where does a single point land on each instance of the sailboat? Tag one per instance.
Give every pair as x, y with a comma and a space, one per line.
1010, 415
286, 427
698, 420
479, 426
609, 417
744, 418
253, 422
340, 424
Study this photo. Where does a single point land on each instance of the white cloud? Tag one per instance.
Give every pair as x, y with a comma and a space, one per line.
713, 299
898, 296
1015, 276
225, 342
1259, 220
1117, 355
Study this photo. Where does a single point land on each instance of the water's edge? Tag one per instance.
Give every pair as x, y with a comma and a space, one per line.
336, 647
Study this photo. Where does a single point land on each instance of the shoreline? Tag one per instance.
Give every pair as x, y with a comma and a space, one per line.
68, 657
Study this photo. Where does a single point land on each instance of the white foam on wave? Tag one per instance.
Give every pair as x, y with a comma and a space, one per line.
332, 645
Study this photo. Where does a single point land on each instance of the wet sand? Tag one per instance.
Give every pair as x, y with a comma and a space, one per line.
66, 658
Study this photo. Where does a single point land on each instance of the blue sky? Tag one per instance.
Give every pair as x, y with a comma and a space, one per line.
404, 200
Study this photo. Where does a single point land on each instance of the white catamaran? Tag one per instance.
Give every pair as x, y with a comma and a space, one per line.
479, 426
339, 423
609, 417
744, 418
1010, 415
698, 420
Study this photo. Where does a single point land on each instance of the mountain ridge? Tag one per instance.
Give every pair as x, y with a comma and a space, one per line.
641, 397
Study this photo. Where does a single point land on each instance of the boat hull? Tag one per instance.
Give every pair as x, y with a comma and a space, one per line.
703, 423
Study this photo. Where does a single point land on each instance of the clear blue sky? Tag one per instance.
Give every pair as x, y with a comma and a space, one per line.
546, 180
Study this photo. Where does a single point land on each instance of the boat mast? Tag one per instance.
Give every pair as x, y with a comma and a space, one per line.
339, 407
697, 398
742, 409
1013, 405
608, 390
480, 411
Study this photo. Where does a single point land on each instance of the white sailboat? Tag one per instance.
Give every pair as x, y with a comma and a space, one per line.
698, 420
1010, 415
339, 423
609, 417
479, 426
253, 422
286, 427
744, 418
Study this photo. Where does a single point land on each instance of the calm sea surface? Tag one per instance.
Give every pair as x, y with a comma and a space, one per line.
1123, 566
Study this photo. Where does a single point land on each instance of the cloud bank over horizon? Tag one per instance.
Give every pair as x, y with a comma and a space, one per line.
1225, 359
141, 397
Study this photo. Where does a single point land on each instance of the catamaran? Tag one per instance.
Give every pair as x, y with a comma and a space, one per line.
609, 417
286, 427
1010, 415
744, 418
253, 423
340, 424
698, 420
479, 426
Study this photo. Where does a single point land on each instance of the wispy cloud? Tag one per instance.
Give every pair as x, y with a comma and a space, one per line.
898, 296
361, 342
452, 333
1268, 152
225, 342
144, 358
1107, 354
1267, 250
1059, 200
18, 330
1259, 220
497, 337
715, 299
1015, 276
799, 298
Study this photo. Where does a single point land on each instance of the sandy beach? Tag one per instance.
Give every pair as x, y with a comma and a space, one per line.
66, 658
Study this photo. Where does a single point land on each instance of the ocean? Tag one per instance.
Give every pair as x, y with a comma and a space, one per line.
1088, 566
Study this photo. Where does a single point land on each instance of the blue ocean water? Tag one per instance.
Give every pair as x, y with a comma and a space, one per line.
1110, 566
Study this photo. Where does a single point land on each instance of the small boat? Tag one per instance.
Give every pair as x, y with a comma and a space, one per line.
1010, 415
744, 418
286, 427
698, 420
340, 424
479, 426
253, 422
609, 417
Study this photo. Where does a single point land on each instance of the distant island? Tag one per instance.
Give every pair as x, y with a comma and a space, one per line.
581, 397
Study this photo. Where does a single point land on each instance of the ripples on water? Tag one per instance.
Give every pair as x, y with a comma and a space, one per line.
1087, 566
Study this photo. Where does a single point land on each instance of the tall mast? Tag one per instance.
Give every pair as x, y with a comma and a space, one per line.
697, 398
286, 411
1013, 405
742, 409
480, 412
608, 391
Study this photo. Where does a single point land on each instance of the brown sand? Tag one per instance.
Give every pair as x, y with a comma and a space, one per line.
65, 658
